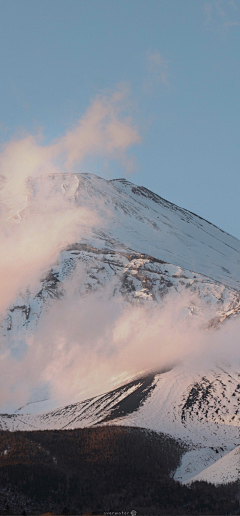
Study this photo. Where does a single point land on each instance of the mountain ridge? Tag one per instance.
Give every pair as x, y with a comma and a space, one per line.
154, 195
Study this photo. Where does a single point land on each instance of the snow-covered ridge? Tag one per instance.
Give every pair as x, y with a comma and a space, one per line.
139, 220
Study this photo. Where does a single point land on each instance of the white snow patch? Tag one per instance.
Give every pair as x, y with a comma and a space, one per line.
226, 469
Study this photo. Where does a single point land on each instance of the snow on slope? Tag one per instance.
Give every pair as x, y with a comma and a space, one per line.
196, 460
137, 219
136, 277
197, 406
224, 470
201, 407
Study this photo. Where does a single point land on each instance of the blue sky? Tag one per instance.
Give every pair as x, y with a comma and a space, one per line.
180, 61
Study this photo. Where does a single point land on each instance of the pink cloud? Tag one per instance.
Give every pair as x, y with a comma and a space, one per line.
158, 72
33, 228
102, 131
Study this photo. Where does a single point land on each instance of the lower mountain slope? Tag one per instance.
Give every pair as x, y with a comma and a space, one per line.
99, 470
199, 405
199, 408
223, 471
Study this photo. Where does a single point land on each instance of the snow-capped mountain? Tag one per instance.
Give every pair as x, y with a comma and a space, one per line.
143, 248
149, 245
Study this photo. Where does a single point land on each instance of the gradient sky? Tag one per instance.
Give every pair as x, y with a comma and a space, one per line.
179, 58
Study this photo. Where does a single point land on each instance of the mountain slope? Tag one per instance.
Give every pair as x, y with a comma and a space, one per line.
226, 469
197, 407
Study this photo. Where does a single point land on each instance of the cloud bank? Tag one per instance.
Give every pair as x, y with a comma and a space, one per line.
86, 345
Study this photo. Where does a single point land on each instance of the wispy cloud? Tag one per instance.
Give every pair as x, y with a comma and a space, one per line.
222, 13
102, 131
208, 11
158, 73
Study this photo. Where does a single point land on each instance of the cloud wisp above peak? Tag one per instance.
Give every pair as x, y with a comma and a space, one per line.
158, 72
223, 14
32, 229
104, 131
